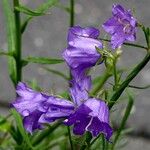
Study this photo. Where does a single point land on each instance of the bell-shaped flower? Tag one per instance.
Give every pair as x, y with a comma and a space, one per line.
37, 108
81, 52
121, 26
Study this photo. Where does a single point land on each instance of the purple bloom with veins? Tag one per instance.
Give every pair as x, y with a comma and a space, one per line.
37, 108
121, 26
93, 116
81, 52
84, 113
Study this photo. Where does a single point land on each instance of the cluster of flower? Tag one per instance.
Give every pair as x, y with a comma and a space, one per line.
84, 113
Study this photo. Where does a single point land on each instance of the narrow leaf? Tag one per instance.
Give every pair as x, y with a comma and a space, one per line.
43, 60
58, 73
21, 128
6, 53
24, 25
124, 119
45, 6
28, 11
41, 9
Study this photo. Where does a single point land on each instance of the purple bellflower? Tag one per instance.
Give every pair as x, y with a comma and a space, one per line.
121, 26
81, 52
37, 109
84, 113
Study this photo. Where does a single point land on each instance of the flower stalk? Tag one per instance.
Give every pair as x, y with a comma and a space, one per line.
18, 42
72, 13
128, 79
123, 122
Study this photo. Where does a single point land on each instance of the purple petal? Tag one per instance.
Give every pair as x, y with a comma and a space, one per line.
117, 40
31, 122
79, 89
97, 127
37, 108
111, 25
122, 26
80, 119
81, 51
90, 32
93, 116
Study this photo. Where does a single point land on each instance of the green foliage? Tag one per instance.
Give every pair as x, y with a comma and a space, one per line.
21, 128
41, 10
43, 60
11, 30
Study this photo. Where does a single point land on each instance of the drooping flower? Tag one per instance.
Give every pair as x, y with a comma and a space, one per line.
81, 52
85, 113
93, 116
37, 108
121, 26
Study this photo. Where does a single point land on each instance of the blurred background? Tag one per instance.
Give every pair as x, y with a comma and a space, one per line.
46, 36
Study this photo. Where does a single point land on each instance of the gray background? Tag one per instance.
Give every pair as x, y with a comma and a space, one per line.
46, 36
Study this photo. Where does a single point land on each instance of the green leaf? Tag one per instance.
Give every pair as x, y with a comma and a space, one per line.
124, 119
24, 25
41, 10
6, 53
21, 128
45, 6
58, 73
11, 36
4, 124
28, 11
45, 133
43, 60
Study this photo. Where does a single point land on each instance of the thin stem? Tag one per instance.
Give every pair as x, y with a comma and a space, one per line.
123, 122
128, 79
115, 74
95, 140
71, 13
70, 139
99, 85
18, 42
72, 16
129, 44
103, 142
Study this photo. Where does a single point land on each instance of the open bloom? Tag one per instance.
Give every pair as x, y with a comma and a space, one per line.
37, 108
121, 26
84, 113
81, 52
93, 116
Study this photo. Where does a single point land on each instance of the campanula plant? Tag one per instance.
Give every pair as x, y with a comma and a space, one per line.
80, 117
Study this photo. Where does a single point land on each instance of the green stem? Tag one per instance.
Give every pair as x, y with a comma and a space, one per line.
18, 41
128, 79
103, 142
70, 139
115, 74
71, 13
99, 85
72, 16
123, 122
129, 44
45, 133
